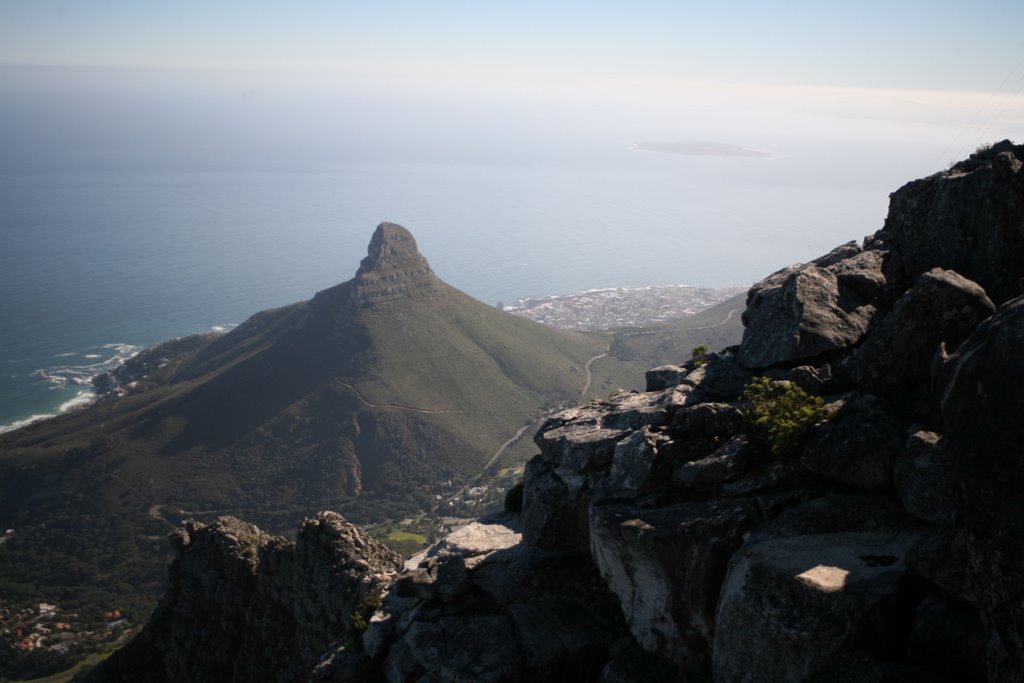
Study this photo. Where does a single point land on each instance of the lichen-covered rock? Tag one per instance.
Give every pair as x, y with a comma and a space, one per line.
829, 513
665, 377
942, 556
804, 312
517, 613
941, 308
666, 565
947, 639
242, 605
981, 411
791, 607
924, 480
727, 463
858, 446
969, 218
710, 419
638, 465
554, 511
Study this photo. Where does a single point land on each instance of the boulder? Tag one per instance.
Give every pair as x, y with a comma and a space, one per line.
948, 640
554, 514
924, 478
790, 608
861, 273
815, 381
710, 419
521, 614
665, 377
942, 556
858, 446
666, 565
969, 219
637, 465
456, 648
981, 401
727, 463
941, 308
805, 311
828, 513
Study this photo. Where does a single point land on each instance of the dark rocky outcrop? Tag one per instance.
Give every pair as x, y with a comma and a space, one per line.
393, 266
967, 219
806, 311
942, 308
664, 536
245, 606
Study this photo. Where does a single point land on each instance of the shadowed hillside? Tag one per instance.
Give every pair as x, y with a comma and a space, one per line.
370, 398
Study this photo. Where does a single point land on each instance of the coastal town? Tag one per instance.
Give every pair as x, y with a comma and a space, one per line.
621, 307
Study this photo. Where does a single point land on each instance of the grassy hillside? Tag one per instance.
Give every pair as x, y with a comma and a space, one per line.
370, 409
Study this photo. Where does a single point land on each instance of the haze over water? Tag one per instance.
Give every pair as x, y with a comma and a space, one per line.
140, 203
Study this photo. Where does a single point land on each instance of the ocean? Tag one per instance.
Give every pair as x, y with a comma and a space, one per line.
115, 235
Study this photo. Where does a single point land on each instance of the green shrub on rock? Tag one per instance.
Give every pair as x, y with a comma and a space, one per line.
783, 412
699, 354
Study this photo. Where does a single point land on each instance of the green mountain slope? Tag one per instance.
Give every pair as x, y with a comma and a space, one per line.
370, 398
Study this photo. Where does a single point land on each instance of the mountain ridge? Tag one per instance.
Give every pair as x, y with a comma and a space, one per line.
374, 396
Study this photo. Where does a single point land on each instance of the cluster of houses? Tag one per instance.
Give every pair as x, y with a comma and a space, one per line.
43, 627
604, 309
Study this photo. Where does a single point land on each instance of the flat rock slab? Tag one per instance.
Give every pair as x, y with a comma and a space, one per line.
791, 607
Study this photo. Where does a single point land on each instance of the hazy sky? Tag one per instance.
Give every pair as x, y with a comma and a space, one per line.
907, 44
941, 74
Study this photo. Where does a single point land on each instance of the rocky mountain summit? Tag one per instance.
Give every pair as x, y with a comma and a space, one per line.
393, 266
836, 499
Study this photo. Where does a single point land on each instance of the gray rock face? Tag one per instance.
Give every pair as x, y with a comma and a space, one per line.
924, 478
805, 311
393, 265
947, 640
980, 407
665, 377
941, 308
969, 219
727, 463
244, 606
514, 613
637, 465
836, 513
791, 607
666, 566
577, 448
711, 419
857, 447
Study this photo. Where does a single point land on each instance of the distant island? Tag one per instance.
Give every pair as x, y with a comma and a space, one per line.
702, 149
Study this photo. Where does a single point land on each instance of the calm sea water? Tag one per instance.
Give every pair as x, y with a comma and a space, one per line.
139, 205
96, 265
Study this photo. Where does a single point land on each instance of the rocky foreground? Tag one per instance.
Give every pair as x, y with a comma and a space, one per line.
674, 534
